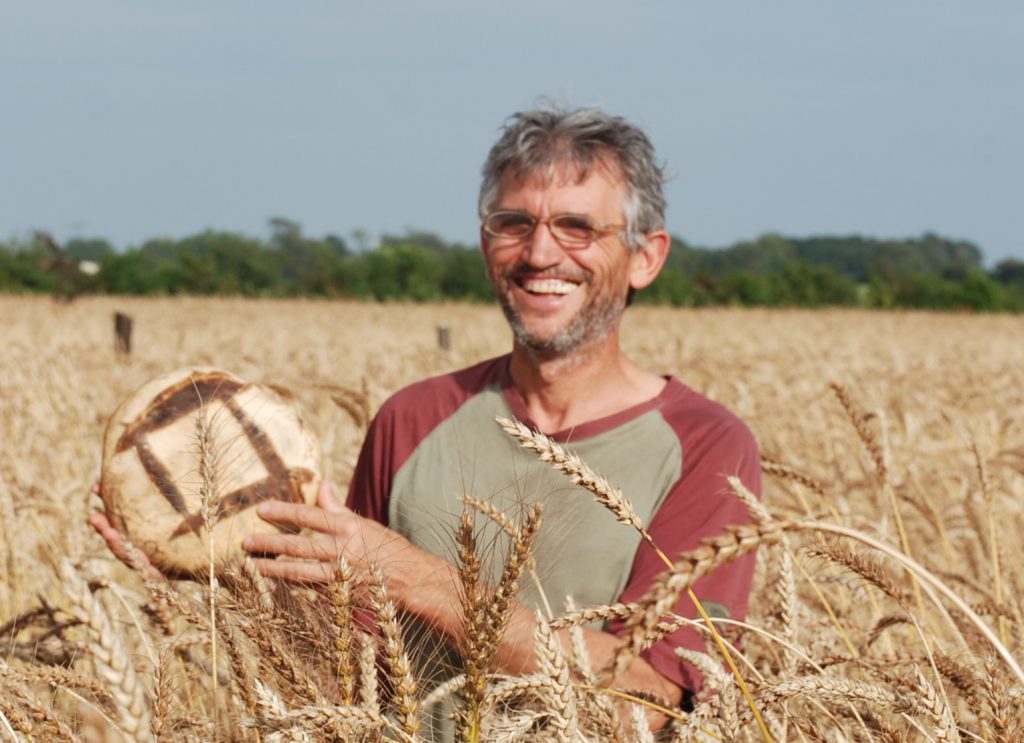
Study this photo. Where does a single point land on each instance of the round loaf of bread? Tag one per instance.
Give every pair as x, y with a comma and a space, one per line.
198, 449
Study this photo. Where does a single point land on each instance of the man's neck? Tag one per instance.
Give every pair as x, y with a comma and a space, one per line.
565, 391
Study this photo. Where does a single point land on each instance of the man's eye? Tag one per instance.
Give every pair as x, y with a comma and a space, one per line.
574, 228
511, 224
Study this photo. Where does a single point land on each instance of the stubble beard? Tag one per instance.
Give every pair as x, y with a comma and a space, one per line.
588, 328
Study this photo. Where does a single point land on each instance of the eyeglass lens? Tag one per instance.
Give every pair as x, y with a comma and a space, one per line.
568, 227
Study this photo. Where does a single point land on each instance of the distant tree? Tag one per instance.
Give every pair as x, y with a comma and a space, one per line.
672, 287
88, 249
773, 270
401, 271
425, 240
464, 275
338, 246
23, 267
132, 272
307, 267
747, 288
924, 291
1009, 271
878, 292
979, 291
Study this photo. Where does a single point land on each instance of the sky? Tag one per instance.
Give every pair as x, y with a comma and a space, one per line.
134, 119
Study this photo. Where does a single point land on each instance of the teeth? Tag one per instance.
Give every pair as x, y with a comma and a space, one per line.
549, 286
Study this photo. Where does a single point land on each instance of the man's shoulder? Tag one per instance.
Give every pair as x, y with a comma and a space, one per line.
696, 417
431, 400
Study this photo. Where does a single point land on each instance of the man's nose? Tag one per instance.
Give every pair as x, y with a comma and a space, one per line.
542, 249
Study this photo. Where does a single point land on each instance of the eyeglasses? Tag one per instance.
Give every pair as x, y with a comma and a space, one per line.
573, 231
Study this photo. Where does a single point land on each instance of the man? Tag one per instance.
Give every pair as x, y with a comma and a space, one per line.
572, 224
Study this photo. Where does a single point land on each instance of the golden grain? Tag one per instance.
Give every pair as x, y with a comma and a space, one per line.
943, 476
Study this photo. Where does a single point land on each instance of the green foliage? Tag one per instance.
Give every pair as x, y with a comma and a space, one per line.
88, 249
404, 271
673, 286
26, 267
929, 272
980, 292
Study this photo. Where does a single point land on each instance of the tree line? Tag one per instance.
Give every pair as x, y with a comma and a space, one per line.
929, 271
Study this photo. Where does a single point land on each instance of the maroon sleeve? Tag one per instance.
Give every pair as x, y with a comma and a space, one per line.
715, 444
371, 482
402, 423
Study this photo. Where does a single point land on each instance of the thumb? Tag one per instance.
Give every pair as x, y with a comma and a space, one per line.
327, 499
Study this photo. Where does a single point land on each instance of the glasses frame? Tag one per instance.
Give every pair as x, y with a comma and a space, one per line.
601, 230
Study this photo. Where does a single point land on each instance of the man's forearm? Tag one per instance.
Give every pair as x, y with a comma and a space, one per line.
436, 599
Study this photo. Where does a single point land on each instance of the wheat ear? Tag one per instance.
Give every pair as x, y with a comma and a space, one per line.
14, 720
110, 656
859, 423
551, 663
475, 657
406, 703
926, 577
498, 610
51, 727
928, 700
274, 658
578, 473
368, 695
486, 613
318, 720
343, 630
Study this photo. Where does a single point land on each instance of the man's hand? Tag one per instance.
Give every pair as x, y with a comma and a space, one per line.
337, 532
119, 546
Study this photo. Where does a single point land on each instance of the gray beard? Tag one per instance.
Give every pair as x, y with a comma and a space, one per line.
591, 326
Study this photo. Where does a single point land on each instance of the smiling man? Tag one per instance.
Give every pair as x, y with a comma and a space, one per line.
572, 224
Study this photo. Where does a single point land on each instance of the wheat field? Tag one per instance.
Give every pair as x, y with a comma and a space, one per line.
888, 600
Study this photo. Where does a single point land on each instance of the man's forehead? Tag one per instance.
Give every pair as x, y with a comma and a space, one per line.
562, 173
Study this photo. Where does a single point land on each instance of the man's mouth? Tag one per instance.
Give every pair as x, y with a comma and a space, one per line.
548, 286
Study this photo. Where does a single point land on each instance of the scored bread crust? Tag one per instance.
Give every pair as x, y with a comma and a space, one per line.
256, 447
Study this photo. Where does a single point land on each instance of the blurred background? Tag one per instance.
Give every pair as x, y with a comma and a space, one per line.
896, 123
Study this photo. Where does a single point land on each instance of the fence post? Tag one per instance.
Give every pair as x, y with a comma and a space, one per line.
122, 333
444, 337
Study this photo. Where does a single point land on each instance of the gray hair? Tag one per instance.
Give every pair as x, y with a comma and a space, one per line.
539, 142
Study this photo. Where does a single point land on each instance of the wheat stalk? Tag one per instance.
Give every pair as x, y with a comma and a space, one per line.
207, 508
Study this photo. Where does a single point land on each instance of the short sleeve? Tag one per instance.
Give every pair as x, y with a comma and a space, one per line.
371, 482
698, 506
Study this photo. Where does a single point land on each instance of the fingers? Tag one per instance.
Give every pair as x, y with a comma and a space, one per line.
99, 521
117, 545
294, 571
307, 517
292, 545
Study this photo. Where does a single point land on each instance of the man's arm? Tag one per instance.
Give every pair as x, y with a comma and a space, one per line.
421, 584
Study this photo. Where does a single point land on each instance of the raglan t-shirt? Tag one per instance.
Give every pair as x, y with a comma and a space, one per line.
436, 441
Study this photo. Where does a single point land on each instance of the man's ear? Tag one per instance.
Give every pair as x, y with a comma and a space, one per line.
645, 264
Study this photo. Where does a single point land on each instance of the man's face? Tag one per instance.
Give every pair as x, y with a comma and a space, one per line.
560, 299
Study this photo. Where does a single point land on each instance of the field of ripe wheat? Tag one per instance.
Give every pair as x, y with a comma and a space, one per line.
888, 604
